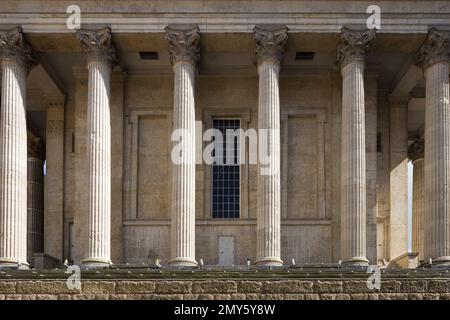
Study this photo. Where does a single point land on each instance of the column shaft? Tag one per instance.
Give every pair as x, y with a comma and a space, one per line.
418, 208
269, 187
13, 164
437, 164
35, 206
54, 180
183, 174
99, 155
353, 165
184, 52
101, 56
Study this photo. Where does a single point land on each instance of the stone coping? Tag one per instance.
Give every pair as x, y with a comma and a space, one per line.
199, 274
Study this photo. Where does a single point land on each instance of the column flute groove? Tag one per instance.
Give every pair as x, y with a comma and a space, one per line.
433, 58
35, 196
270, 41
351, 58
101, 56
416, 154
17, 59
184, 52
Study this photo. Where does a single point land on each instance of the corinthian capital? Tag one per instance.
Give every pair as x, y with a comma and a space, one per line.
417, 149
35, 148
14, 46
98, 45
434, 49
354, 45
270, 41
184, 43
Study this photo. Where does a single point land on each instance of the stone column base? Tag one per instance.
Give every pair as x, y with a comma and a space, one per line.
441, 262
355, 262
6, 263
183, 262
94, 263
268, 262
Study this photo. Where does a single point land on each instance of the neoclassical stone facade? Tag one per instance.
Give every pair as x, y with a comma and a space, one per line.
347, 109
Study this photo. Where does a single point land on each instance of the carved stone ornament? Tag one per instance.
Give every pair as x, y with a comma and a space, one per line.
417, 149
270, 41
14, 46
354, 45
98, 45
434, 49
184, 43
35, 148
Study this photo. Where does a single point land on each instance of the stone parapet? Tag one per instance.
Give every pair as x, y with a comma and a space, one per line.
149, 284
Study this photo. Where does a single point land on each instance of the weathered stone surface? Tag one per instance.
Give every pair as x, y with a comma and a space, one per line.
328, 286
173, 286
287, 286
7, 287
133, 287
393, 296
445, 296
214, 286
90, 297
294, 296
439, 286
327, 296
430, 296
44, 287
356, 286
311, 297
227, 289
359, 296
271, 296
190, 296
249, 286
390, 286
222, 296
98, 287
414, 286
49, 297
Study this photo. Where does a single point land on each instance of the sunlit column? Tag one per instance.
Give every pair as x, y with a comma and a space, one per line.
351, 58
16, 60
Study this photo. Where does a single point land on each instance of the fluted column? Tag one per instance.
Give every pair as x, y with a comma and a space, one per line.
16, 60
269, 54
100, 52
416, 154
351, 58
433, 57
35, 194
184, 54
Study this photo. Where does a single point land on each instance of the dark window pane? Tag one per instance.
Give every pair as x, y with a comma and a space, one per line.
226, 177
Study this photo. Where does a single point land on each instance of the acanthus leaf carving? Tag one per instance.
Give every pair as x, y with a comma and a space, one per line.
35, 147
98, 45
270, 41
354, 45
184, 43
417, 149
14, 46
435, 48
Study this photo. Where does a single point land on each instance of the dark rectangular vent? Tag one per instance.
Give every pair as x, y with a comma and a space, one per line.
149, 55
301, 55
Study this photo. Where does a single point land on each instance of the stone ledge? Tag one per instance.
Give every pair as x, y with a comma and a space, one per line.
151, 273
344, 287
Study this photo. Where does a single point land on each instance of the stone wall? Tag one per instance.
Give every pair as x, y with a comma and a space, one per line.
146, 284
